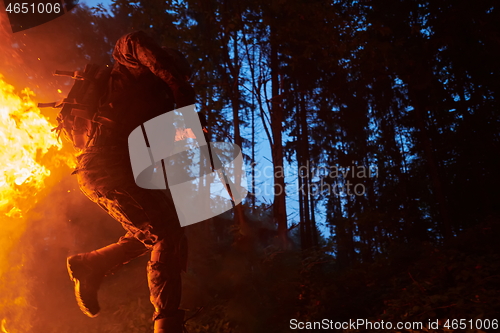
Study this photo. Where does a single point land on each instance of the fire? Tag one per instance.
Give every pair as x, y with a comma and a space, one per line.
4, 330
28, 149
25, 138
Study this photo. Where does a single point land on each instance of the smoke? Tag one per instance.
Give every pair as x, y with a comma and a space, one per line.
28, 58
63, 224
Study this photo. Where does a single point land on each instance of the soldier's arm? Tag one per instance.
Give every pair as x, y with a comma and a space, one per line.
138, 49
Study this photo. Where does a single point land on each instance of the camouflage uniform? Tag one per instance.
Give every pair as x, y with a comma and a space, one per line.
145, 82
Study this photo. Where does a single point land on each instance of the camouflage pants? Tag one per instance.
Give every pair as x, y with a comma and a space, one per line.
149, 217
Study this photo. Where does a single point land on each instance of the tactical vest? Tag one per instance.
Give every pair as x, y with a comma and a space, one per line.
83, 111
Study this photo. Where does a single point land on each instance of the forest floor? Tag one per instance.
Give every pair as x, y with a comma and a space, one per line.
453, 287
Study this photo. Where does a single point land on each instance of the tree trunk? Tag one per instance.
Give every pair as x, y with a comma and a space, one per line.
279, 207
429, 154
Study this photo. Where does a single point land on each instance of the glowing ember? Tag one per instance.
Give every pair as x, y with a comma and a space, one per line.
25, 137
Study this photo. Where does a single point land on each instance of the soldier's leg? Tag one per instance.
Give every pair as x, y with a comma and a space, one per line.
87, 270
168, 260
151, 217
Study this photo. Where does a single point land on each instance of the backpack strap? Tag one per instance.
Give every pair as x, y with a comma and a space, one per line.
79, 109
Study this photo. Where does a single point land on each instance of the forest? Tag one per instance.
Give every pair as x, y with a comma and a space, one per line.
378, 124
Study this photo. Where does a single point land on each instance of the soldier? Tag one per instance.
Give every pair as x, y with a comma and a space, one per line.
146, 81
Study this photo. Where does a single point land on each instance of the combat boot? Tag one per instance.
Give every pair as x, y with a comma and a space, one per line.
87, 271
170, 324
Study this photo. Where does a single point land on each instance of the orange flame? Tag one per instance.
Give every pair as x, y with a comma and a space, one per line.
27, 149
4, 330
25, 138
